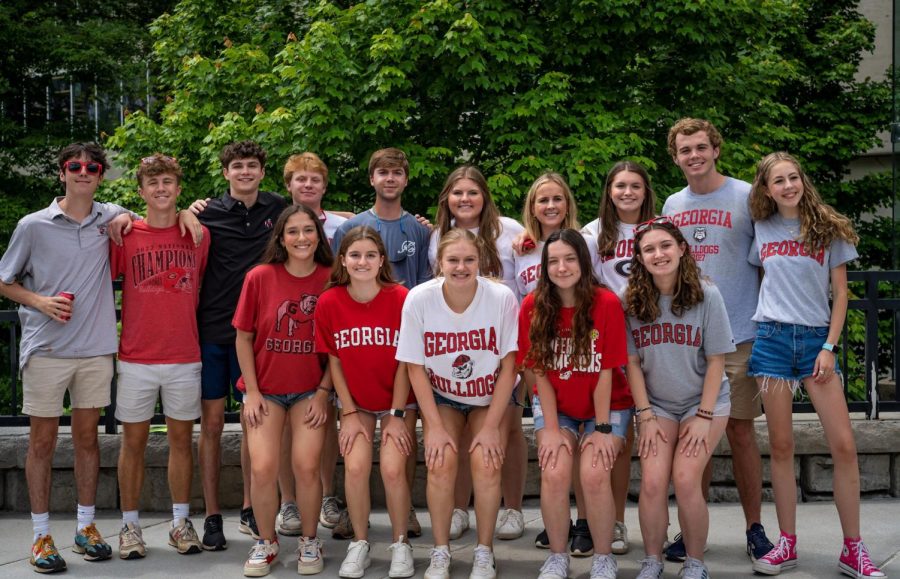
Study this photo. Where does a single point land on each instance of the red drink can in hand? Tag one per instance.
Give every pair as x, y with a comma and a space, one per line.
69, 296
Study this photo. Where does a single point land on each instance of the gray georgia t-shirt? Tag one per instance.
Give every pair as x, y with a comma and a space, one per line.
405, 240
796, 282
718, 227
51, 253
673, 350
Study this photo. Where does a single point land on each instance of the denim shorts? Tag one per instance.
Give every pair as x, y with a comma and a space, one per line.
619, 419
288, 400
787, 351
462, 406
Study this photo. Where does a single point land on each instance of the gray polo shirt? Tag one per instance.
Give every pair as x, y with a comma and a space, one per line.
50, 253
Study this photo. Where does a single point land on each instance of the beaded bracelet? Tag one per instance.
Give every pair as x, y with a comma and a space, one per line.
705, 412
645, 409
704, 416
648, 419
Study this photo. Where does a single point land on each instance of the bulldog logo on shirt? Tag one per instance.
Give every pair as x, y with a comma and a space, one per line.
462, 367
699, 233
289, 309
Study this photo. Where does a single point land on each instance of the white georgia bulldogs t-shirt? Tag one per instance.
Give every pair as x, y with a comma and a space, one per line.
461, 352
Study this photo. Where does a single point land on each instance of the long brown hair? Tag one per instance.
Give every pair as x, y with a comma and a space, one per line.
820, 224
642, 295
275, 251
532, 225
544, 329
609, 216
339, 274
489, 226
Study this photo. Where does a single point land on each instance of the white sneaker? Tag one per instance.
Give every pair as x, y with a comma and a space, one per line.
312, 556
511, 524
288, 520
459, 522
555, 567
402, 564
651, 567
620, 544
357, 560
439, 568
604, 567
483, 565
262, 554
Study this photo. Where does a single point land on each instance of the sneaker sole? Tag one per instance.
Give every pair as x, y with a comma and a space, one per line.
257, 571
44, 570
88, 557
244, 528
310, 568
192, 550
221, 547
324, 522
290, 532
761, 567
445, 575
621, 550
398, 575
582, 553
510, 536
848, 570
355, 574
130, 555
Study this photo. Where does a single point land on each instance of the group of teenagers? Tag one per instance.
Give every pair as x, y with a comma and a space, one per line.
674, 329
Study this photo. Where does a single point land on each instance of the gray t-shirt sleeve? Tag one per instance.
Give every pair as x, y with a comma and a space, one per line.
14, 264
718, 338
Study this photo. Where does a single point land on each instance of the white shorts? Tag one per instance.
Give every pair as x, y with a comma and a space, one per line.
140, 384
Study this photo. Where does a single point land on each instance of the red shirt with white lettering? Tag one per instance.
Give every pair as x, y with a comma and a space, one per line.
363, 336
575, 386
278, 308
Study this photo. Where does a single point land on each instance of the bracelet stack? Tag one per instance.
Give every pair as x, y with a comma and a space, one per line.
704, 414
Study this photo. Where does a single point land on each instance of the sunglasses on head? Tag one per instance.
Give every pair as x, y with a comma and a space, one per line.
642, 227
92, 167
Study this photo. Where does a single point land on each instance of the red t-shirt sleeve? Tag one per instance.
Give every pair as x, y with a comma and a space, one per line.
615, 349
116, 260
524, 329
324, 338
247, 311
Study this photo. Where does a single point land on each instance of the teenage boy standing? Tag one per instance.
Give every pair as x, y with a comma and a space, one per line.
159, 352
713, 213
240, 221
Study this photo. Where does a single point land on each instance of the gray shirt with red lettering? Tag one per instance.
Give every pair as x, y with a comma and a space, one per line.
718, 227
673, 350
795, 287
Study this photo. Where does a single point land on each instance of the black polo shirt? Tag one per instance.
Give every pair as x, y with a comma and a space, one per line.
239, 237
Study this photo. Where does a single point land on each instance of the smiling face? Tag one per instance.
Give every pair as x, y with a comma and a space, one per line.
459, 264
695, 155
660, 253
562, 265
81, 183
465, 202
628, 192
300, 238
785, 186
307, 188
362, 260
389, 182
160, 192
244, 175
550, 207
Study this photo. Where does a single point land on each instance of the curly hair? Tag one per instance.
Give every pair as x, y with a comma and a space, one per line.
642, 295
545, 318
275, 251
820, 224
609, 216
489, 226
688, 126
158, 164
339, 274
243, 150
529, 220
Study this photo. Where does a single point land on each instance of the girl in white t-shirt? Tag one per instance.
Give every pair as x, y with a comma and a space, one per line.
803, 244
465, 201
628, 199
458, 337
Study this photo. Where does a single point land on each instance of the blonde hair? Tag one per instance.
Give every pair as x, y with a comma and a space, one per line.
304, 162
529, 220
454, 235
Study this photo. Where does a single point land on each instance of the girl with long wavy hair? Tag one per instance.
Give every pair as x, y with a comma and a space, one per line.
465, 201
572, 336
458, 337
680, 334
287, 381
803, 245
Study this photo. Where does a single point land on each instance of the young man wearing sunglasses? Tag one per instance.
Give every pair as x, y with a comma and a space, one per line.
57, 268
159, 351
713, 213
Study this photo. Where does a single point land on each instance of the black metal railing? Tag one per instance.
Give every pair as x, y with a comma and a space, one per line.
876, 301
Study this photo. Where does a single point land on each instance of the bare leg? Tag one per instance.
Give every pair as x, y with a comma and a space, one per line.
746, 463
264, 442
621, 475
285, 472
181, 458
87, 453
599, 504
442, 478
555, 484
486, 479
212, 422
307, 462
777, 399
131, 463
515, 465
357, 468
41, 446
656, 471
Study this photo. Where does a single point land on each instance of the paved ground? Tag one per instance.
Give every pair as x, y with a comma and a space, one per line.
819, 533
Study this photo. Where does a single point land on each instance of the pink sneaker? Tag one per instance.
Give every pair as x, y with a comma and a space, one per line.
855, 560
782, 556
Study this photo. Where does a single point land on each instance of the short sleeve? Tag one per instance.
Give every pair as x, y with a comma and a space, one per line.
411, 345
717, 336
324, 334
524, 329
841, 253
615, 349
14, 263
247, 312
509, 323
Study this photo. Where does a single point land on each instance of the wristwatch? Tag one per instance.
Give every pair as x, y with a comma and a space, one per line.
833, 348
603, 427
398, 412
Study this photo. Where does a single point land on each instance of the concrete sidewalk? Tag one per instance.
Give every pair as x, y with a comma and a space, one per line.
818, 529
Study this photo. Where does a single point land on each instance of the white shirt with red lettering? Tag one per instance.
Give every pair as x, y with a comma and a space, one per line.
363, 336
612, 270
461, 353
528, 266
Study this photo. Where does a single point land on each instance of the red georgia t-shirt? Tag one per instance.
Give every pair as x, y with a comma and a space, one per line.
574, 386
363, 336
278, 308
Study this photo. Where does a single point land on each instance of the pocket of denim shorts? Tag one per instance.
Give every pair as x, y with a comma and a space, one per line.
765, 330
821, 331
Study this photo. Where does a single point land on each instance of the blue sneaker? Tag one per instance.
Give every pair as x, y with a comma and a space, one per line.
89, 542
44, 556
676, 550
757, 542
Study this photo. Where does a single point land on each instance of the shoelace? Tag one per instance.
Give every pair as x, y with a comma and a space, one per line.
260, 551
212, 526
46, 547
602, 565
440, 559
483, 557
781, 551
504, 516
863, 559
290, 512
651, 563
92, 534
132, 535
309, 548
556, 564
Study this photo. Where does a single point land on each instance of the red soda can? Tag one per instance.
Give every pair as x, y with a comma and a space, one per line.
69, 296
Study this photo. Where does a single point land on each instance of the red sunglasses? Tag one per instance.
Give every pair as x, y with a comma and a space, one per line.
642, 227
91, 167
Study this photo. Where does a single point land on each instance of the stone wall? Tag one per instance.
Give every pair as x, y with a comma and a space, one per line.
878, 443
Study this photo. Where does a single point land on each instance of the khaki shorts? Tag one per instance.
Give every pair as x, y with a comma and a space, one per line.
45, 381
139, 385
745, 400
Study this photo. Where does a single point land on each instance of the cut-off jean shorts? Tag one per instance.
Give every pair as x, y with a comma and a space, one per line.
620, 420
787, 352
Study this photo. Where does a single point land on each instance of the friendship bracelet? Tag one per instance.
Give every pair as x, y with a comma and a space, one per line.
648, 419
323, 389
349, 412
645, 409
705, 412
704, 416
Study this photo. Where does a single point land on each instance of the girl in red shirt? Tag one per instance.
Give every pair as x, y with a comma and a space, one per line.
572, 335
357, 326
284, 379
